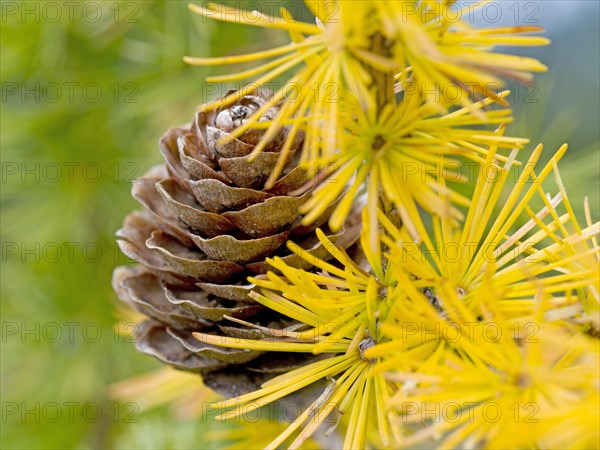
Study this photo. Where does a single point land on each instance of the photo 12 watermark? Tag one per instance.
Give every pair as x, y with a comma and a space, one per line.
69, 412
69, 92
468, 412
89, 12
55, 172
72, 332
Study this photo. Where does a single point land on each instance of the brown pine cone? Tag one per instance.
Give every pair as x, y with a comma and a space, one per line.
209, 223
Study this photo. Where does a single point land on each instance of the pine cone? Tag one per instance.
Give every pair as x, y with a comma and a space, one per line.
208, 223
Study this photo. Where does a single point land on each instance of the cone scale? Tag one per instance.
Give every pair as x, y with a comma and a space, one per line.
208, 223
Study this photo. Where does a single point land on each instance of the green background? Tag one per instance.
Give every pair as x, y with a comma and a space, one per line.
85, 97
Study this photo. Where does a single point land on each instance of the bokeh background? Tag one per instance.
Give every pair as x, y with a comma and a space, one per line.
87, 90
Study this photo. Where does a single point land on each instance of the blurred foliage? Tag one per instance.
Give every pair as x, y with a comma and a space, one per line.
85, 99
